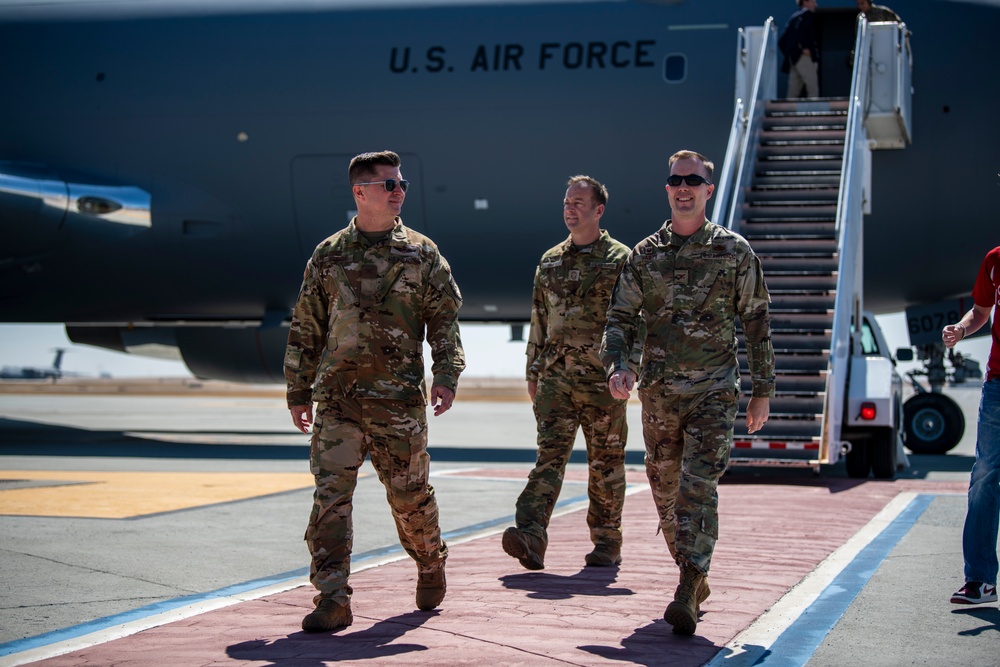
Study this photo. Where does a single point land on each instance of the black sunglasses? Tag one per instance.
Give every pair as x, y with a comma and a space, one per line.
692, 180
390, 184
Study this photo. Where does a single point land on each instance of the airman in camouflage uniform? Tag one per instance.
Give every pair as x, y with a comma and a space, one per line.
567, 385
369, 294
689, 282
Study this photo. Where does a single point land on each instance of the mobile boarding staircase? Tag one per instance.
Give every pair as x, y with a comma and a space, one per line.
795, 184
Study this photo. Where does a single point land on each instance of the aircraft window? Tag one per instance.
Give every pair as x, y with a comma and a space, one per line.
675, 68
869, 345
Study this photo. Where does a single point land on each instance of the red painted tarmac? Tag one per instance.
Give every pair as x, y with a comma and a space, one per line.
497, 613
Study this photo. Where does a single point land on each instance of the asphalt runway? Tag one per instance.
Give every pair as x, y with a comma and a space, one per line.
117, 509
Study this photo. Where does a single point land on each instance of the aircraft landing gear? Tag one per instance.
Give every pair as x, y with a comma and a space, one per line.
934, 423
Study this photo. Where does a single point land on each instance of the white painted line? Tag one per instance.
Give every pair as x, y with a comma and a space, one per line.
747, 647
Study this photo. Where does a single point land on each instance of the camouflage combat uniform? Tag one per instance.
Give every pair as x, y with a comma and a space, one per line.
571, 294
689, 293
356, 349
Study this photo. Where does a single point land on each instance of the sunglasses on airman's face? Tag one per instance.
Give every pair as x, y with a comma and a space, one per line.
692, 180
389, 183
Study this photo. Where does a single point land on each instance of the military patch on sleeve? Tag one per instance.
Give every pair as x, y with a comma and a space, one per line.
293, 358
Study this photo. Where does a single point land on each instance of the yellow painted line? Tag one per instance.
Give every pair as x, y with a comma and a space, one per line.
120, 495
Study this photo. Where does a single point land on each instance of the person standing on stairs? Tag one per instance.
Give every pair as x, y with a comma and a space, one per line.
798, 45
687, 284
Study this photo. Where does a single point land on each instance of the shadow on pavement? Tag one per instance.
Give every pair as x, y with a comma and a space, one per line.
655, 644
546, 586
318, 649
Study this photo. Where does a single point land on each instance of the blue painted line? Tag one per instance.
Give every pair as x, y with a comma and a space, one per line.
106, 622
797, 644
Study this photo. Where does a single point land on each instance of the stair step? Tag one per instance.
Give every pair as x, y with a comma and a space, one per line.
781, 426
769, 227
801, 247
813, 382
772, 263
792, 151
799, 320
793, 184
815, 341
804, 299
793, 194
777, 210
813, 361
810, 282
838, 104
804, 124
778, 165
778, 135
788, 171
800, 405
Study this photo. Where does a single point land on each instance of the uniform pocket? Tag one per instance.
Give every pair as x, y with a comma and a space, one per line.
418, 470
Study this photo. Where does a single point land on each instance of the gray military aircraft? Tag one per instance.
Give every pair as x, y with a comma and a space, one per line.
167, 166
35, 372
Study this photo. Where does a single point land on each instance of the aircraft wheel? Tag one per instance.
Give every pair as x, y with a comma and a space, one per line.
934, 423
883, 454
859, 459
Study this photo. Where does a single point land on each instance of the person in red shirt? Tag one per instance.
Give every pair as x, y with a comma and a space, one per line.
979, 538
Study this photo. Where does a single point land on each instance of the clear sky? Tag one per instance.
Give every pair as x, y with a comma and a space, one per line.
488, 350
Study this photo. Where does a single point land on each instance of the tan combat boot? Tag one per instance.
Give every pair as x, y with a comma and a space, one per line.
682, 613
328, 615
604, 555
431, 587
703, 592
527, 549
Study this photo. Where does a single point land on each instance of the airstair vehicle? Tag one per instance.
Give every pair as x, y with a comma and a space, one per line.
795, 183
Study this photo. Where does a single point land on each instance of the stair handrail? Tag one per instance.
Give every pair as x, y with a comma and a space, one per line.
849, 301
756, 83
888, 109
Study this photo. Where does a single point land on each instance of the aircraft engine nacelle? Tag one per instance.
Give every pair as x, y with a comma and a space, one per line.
234, 353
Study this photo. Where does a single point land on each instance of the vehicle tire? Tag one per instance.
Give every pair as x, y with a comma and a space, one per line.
859, 459
883, 454
934, 423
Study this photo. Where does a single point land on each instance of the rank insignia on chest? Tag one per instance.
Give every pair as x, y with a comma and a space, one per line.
574, 274
681, 276
409, 250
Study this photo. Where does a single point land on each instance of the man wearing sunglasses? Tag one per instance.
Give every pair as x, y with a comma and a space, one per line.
567, 386
688, 283
370, 295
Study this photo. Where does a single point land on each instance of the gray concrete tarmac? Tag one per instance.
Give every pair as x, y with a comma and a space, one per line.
59, 573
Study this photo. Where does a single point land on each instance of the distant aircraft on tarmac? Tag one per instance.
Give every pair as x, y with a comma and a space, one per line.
167, 166
34, 372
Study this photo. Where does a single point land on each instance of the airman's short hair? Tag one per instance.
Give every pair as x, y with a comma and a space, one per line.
363, 166
600, 191
691, 155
